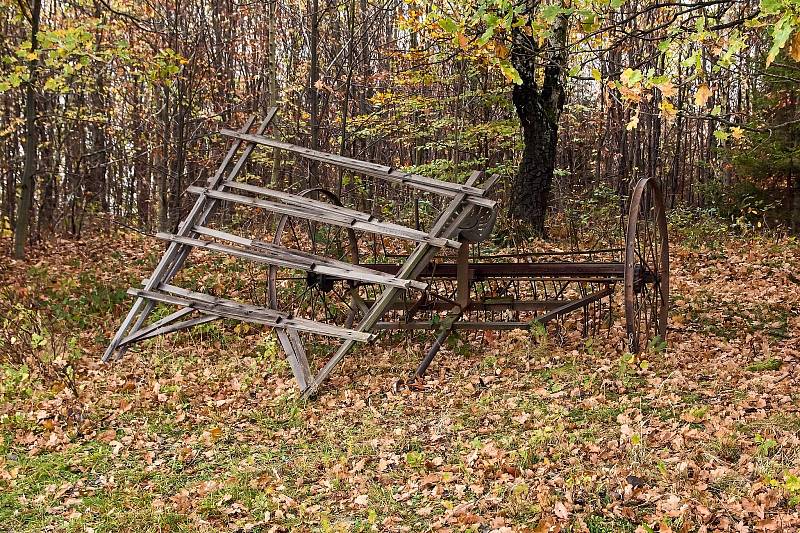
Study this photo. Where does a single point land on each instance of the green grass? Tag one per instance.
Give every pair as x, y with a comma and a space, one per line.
765, 365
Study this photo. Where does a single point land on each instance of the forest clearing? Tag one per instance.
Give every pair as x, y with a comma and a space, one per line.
400, 265
205, 430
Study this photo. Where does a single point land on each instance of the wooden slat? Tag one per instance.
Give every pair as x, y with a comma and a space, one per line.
300, 201
177, 326
231, 309
364, 167
324, 261
286, 258
330, 217
169, 319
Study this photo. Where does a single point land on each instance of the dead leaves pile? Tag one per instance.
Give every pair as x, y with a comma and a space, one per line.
204, 431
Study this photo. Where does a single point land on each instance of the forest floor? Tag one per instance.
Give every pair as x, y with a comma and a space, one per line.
204, 431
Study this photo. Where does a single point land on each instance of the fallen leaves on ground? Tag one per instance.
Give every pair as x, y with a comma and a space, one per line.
206, 431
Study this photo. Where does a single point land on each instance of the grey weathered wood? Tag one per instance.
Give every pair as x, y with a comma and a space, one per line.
410, 270
284, 257
301, 201
135, 337
296, 353
175, 254
329, 217
177, 326
371, 169
231, 309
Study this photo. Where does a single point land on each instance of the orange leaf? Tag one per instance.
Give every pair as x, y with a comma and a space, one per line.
702, 95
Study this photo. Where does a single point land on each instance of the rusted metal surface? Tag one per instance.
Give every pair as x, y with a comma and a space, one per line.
481, 271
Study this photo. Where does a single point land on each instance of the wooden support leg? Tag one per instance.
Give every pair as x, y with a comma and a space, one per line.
293, 348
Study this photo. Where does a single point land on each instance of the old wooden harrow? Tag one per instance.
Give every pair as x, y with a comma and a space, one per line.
382, 249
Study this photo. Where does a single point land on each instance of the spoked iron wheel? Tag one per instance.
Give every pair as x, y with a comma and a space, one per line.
306, 294
646, 266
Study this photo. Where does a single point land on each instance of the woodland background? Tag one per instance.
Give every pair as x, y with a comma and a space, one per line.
126, 97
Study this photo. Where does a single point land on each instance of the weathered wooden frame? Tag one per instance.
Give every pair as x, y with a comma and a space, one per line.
467, 217
157, 288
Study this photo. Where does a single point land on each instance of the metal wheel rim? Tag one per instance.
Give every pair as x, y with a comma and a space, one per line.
352, 245
646, 245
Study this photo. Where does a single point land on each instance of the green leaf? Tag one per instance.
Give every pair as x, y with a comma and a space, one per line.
616, 4
769, 7
487, 35
510, 72
51, 84
631, 77
550, 12
448, 25
721, 135
780, 35
791, 482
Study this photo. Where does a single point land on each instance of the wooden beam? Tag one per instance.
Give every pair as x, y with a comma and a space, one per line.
280, 256
328, 217
371, 169
248, 313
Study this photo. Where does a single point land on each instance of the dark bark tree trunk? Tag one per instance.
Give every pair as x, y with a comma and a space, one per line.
539, 109
31, 143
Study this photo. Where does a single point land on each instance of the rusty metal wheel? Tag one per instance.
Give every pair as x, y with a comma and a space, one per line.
646, 267
306, 294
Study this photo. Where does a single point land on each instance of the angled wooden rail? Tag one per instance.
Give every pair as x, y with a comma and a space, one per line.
330, 217
423, 183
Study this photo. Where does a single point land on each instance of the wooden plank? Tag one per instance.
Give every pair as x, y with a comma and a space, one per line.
248, 313
320, 260
296, 354
135, 337
301, 201
328, 217
177, 326
371, 169
284, 257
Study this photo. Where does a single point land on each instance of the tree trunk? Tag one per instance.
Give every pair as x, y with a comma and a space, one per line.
31, 142
538, 109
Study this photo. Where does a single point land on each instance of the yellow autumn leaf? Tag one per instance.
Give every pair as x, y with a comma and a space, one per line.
702, 95
668, 110
794, 46
501, 50
666, 88
737, 132
596, 74
633, 124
